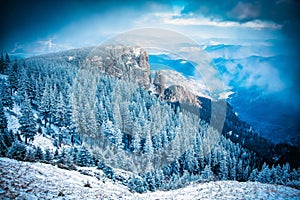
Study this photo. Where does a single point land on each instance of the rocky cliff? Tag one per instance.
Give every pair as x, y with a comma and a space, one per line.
129, 63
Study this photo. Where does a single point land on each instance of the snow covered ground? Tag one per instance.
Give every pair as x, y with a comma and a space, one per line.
24, 180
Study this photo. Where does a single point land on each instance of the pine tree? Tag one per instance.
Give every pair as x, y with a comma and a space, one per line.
254, 175
62, 156
232, 170
27, 121
4, 63
3, 120
137, 184
159, 179
48, 157
136, 144
285, 177
44, 106
207, 173
239, 170
53, 103
264, 176
17, 151
6, 95
56, 154
190, 162
175, 167
148, 148
223, 168
150, 181
39, 154
30, 155
13, 77
246, 173
60, 111
6, 140
84, 158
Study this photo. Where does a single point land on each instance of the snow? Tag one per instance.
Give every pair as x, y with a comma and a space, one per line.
225, 95
71, 58
24, 180
44, 142
137, 52
195, 86
12, 118
2, 76
183, 62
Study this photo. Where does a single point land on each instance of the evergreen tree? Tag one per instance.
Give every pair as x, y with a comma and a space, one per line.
159, 179
232, 170
48, 157
44, 106
148, 148
150, 181
84, 158
285, 177
13, 77
190, 162
264, 176
136, 144
254, 175
223, 168
30, 155
39, 154
17, 151
6, 140
175, 167
4, 64
62, 157
60, 111
207, 174
137, 184
6, 95
3, 120
239, 173
56, 154
27, 121
246, 173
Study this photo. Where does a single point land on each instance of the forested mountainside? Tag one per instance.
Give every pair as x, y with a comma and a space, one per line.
97, 107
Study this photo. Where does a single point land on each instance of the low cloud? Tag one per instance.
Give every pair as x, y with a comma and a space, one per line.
255, 24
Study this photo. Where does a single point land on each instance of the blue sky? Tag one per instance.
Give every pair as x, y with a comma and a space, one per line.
36, 27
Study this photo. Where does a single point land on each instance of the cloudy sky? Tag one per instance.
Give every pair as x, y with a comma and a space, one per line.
258, 30
36, 27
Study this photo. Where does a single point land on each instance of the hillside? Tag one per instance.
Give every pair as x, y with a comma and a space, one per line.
23, 180
94, 108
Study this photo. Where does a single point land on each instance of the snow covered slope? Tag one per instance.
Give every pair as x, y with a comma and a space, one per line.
24, 180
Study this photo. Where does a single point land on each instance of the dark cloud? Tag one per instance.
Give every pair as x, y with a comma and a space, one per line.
34, 20
279, 11
31, 20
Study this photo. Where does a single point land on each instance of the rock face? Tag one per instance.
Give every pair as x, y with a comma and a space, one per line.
128, 63
178, 93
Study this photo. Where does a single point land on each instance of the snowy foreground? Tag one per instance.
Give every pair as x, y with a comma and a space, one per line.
24, 180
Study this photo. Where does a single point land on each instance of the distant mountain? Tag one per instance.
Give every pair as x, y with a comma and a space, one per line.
262, 82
